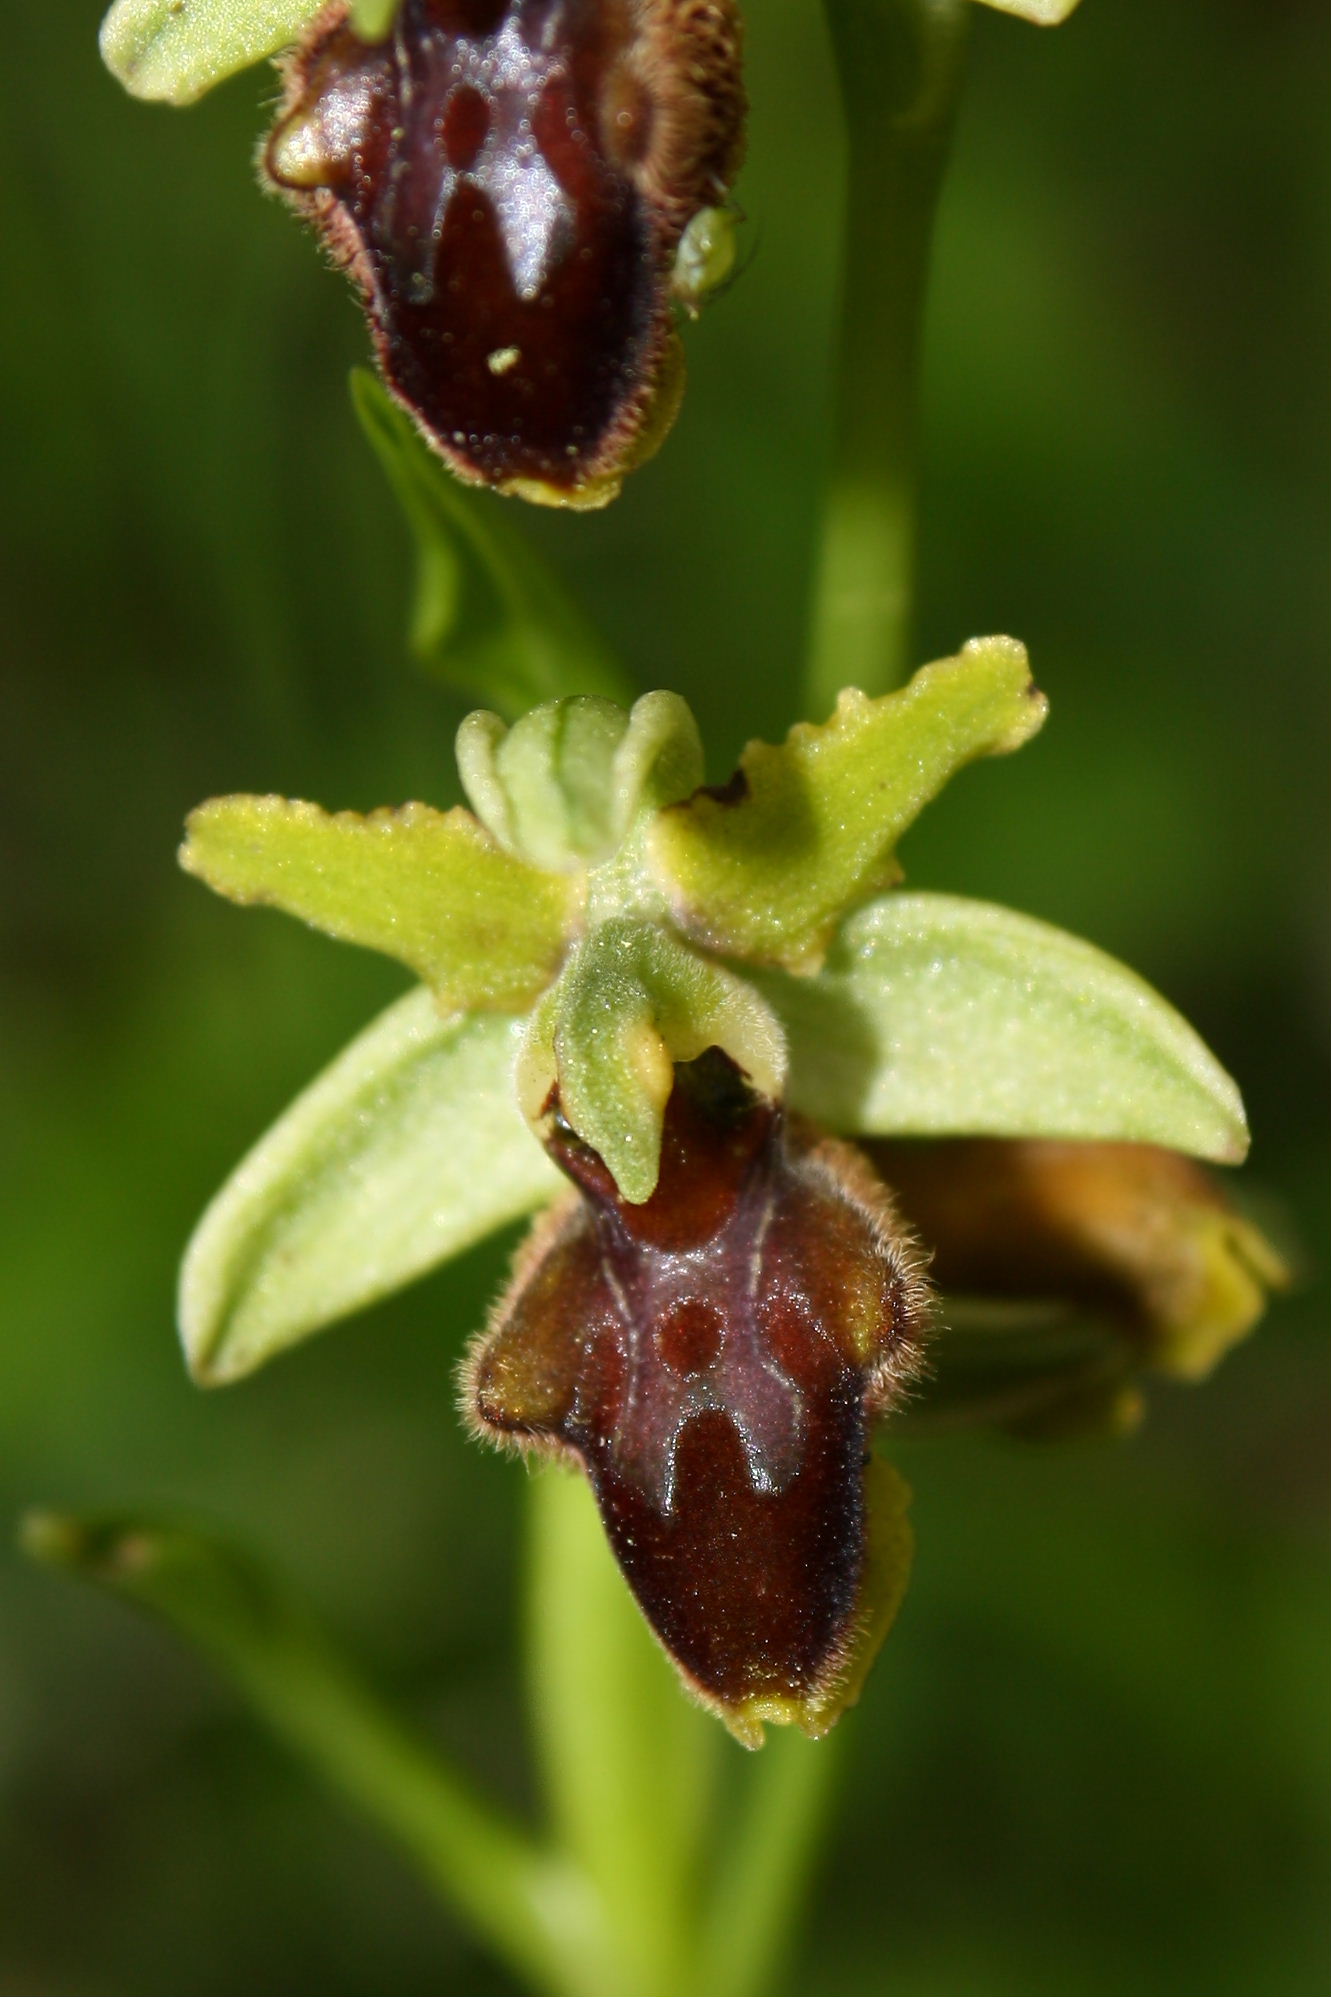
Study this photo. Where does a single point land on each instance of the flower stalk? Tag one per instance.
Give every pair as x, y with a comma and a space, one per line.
528, 1901
900, 66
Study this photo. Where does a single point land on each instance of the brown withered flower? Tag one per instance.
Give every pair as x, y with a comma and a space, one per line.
715, 1359
508, 183
1094, 1265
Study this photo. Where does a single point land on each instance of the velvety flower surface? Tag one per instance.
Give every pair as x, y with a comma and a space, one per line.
715, 1359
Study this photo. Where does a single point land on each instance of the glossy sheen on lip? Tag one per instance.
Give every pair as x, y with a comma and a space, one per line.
715, 1358
490, 175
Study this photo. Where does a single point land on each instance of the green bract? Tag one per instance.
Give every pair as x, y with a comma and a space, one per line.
600, 918
490, 617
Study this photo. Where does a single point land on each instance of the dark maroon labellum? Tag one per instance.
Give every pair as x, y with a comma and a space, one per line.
715, 1359
508, 182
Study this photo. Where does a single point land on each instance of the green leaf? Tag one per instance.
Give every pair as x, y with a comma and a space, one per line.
405, 1151
937, 1016
529, 1905
491, 618
172, 51
764, 868
1044, 13
631, 1001
430, 888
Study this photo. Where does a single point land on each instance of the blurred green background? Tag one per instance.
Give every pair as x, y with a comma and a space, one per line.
1094, 1756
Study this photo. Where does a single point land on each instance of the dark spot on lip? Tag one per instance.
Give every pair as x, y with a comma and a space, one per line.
466, 127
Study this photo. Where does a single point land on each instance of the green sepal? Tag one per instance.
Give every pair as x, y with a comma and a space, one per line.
563, 787
764, 868
490, 617
428, 887
631, 1001
405, 1151
173, 51
939, 1016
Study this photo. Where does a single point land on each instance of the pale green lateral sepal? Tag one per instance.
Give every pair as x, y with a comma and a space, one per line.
428, 887
938, 1016
490, 616
631, 1002
405, 1151
764, 868
172, 51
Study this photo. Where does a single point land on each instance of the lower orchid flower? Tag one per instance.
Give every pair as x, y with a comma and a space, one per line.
665, 1014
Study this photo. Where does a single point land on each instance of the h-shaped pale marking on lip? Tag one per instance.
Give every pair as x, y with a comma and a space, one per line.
531, 210
770, 1435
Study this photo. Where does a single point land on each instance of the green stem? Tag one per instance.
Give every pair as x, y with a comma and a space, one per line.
759, 1887
630, 1769
628, 1761
899, 65
533, 1908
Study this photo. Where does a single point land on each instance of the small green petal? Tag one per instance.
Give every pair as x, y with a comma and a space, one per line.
173, 51
427, 887
764, 868
404, 1152
630, 1003
937, 1016
658, 762
564, 785
1044, 13
543, 787
491, 618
